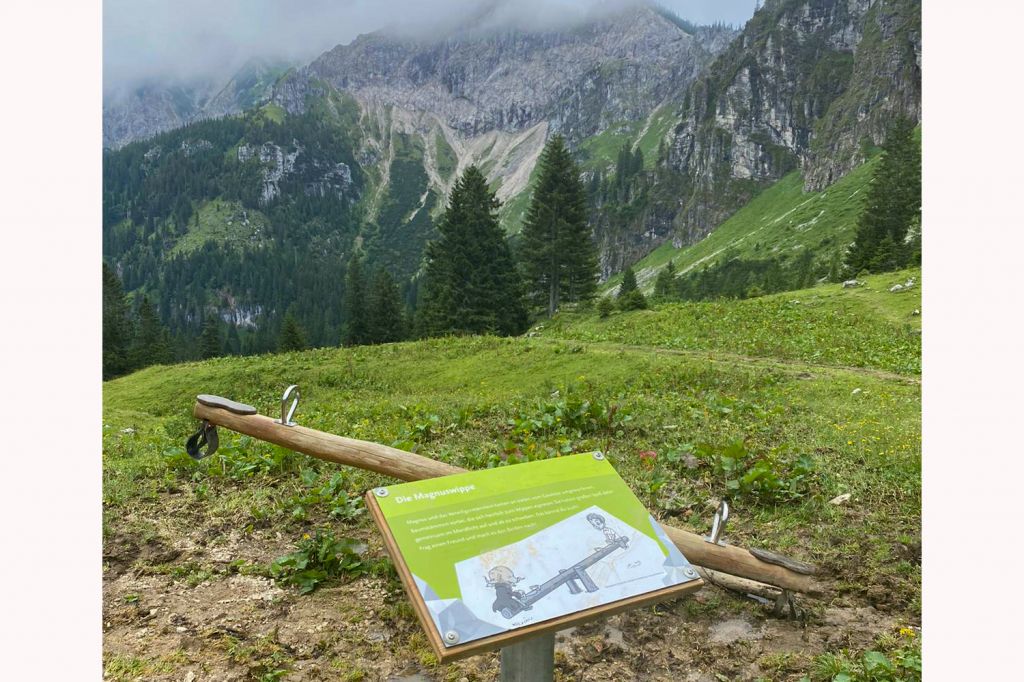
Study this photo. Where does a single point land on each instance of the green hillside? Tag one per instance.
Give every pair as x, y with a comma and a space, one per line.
780, 222
866, 326
773, 427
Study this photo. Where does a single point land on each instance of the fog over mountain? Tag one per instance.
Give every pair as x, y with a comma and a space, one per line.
196, 41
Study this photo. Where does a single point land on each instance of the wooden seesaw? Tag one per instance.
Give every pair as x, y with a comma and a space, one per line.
527, 649
755, 572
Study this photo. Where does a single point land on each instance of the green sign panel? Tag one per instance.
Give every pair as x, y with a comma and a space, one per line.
499, 549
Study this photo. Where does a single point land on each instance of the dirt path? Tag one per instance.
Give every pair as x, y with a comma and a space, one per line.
724, 357
182, 603
237, 627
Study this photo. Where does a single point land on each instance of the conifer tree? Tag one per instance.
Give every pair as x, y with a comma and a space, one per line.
887, 256
628, 282
638, 161
663, 285
630, 297
356, 323
210, 344
117, 329
558, 253
471, 285
835, 268
914, 246
233, 346
893, 204
152, 344
292, 336
803, 272
386, 317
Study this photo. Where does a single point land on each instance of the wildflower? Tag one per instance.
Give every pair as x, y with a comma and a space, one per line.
647, 457
305, 536
908, 632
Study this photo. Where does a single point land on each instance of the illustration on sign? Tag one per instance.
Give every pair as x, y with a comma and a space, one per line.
494, 550
510, 601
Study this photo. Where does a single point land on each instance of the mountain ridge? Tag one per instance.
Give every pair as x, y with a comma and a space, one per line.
144, 111
799, 87
511, 79
351, 156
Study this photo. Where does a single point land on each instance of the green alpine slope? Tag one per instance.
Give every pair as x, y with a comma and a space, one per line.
781, 222
864, 326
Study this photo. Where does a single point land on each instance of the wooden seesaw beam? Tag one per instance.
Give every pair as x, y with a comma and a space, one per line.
408, 466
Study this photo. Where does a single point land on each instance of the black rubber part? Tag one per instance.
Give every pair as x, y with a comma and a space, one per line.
206, 435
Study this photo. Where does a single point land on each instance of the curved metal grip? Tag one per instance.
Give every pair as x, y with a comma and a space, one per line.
287, 412
718, 523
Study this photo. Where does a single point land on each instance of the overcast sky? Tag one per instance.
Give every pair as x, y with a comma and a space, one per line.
190, 39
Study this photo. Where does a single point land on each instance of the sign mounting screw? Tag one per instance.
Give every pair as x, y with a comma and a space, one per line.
689, 572
598, 455
451, 637
380, 492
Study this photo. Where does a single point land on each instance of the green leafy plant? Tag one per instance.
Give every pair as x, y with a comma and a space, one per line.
237, 458
333, 495
318, 558
656, 481
554, 426
902, 664
772, 476
420, 426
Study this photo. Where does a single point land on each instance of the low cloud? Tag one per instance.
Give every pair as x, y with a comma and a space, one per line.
192, 40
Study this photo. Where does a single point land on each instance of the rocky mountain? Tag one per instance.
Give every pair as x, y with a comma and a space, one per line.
359, 149
675, 126
807, 84
578, 80
140, 112
492, 97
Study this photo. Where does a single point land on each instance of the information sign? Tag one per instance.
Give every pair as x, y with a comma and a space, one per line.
495, 556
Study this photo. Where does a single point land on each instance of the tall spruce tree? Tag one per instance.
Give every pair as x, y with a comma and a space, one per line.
471, 284
117, 327
210, 344
664, 284
892, 206
357, 329
386, 317
152, 344
558, 253
292, 336
233, 345
628, 282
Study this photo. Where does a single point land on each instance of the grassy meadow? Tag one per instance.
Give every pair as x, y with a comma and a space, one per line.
780, 404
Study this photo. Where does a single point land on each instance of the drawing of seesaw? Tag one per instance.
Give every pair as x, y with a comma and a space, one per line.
510, 601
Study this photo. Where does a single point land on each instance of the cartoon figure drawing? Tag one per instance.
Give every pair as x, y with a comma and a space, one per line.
509, 601
597, 521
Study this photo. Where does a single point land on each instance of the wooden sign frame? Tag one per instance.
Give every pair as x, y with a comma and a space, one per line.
455, 652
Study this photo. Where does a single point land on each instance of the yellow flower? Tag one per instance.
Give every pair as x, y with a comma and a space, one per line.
908, 632
305, 536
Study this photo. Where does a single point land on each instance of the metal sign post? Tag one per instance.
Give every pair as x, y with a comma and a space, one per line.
532, 660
